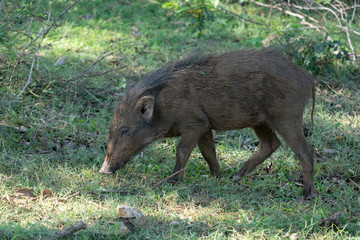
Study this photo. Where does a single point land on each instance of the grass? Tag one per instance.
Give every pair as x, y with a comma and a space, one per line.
64, 134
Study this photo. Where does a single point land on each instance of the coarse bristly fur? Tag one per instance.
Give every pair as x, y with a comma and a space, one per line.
261, 89
155, 81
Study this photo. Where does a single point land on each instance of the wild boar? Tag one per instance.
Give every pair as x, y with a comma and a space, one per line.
261, 89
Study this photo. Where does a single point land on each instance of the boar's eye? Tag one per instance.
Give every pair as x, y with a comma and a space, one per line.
125, 131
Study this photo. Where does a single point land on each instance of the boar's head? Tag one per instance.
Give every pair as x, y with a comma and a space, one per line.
131, 130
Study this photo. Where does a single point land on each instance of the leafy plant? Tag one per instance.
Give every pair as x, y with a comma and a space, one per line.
198, 11
315, 52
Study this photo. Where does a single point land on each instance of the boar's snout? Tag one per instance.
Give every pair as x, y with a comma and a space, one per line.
108, 168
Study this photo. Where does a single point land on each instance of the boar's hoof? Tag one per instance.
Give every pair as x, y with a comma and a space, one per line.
308, 195
173, 180
217, 175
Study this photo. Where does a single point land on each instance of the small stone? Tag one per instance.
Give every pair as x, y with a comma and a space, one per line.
294, 236
22, 129
129, 213
329, 151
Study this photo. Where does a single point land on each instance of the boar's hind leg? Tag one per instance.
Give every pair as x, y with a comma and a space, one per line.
294, 137
268, 144
207, 148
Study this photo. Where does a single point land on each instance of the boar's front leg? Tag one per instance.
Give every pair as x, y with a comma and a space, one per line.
207, 148
187, 143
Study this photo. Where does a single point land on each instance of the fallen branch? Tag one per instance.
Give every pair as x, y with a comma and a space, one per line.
301, 16
337, 10
72, 229
48, 234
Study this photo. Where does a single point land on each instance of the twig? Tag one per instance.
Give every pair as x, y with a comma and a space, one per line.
116, 191
95, 74
72, 229
167, 178
40, 36
104, 54
277, 6
338, 10
270, 13
31, 69
239, 16
49, 235
68, 197
98, 59
62, 14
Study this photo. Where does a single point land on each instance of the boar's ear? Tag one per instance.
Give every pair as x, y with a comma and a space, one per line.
146, 107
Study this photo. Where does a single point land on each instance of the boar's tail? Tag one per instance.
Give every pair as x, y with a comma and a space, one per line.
313, 106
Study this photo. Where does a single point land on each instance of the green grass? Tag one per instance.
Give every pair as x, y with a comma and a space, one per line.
67, 129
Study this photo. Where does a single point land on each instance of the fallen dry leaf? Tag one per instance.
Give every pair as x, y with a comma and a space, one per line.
21, 196
24, 192
46, 193
340, 138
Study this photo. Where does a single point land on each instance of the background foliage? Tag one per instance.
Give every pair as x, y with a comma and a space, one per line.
65, 64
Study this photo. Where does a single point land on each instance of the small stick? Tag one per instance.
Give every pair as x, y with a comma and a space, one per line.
115, 191
167, 178
62, 14
239, 16
68, 197
270, 13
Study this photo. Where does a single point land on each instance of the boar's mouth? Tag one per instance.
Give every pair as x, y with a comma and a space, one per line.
113, 162
106, 170
110, 167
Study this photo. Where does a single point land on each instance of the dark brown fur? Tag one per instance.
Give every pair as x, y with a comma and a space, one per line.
260, 89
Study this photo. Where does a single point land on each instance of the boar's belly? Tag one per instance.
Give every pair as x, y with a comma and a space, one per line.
235, 119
